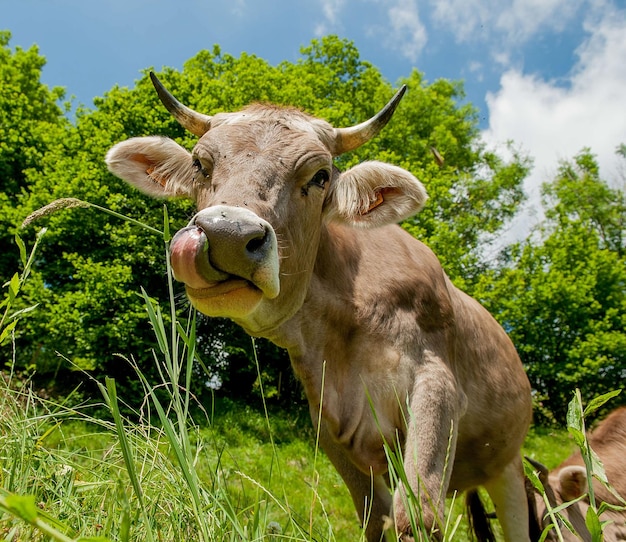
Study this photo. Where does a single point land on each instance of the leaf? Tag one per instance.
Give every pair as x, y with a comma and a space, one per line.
604, 506
558, 509
23, 506
156, 319
579, 436
14, 286
166, 225
22, 312
7, 330
22, 247
546, 532
593, 525
531, 474
575, 420
599, 401
597, 468
46, 434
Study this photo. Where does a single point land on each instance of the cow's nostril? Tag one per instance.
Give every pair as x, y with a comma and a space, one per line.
257, 243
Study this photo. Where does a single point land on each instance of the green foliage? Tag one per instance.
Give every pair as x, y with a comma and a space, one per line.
579, 195
10, 317
92, 267
31, 125
71, 463
28, 112
562, 293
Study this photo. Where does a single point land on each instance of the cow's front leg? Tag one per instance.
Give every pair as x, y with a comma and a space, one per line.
370, 493
434, 408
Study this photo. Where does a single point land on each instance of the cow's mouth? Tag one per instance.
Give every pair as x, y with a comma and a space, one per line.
232, 298
222, 276
224, 287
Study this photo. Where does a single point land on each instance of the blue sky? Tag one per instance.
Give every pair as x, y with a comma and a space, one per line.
91, 45
549, 75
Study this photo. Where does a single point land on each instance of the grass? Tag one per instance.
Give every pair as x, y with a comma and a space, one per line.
232, 474
73, 466
66, 474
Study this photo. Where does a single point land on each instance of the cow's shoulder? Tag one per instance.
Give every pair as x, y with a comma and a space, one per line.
382, 274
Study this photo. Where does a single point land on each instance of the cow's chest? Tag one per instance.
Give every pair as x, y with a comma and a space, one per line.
361, 400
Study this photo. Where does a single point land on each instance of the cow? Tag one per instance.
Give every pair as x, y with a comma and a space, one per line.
391, 355
569, 482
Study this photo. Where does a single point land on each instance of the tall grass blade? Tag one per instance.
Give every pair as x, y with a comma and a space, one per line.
185, 465
129, 462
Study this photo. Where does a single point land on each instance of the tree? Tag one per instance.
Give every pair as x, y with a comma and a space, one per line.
563, 298
91, 267
31, 125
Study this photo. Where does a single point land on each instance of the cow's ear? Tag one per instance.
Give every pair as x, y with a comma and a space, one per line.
572, 482
157, 166
373, 194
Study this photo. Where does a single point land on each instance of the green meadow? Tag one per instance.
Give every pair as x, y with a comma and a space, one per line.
233, 473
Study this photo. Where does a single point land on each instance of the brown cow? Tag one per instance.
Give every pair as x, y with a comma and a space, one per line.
569, 481
293, 250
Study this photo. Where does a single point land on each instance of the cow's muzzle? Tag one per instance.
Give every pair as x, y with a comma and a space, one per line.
228, 259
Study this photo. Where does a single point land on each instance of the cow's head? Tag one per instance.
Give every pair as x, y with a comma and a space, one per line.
264, 183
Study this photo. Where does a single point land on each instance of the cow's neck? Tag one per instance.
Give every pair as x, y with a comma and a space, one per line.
327, 311
329, 273
370, 293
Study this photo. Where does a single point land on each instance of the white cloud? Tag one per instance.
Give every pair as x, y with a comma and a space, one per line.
525, 18
513, 21
408, 31
238, 7
331, 10
465, 19
477, 69
553, 121
403, 30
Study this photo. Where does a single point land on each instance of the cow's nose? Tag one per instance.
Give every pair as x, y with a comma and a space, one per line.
240, 238
237, 238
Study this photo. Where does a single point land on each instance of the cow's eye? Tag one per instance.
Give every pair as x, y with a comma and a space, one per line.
197, 165
320, 178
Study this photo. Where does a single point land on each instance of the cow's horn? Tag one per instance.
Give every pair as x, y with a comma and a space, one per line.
197, 123
348, 139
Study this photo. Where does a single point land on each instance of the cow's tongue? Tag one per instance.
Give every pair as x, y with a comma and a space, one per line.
190, 261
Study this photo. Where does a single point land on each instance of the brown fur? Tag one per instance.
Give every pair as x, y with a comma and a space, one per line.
368, 315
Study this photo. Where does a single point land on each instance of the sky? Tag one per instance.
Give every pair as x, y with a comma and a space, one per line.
548, 75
